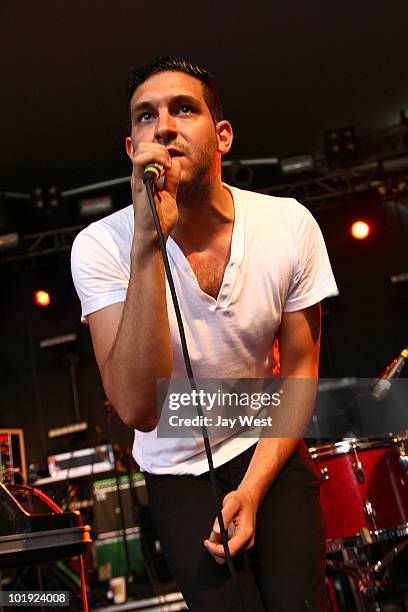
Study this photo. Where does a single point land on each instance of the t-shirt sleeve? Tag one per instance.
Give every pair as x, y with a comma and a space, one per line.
99, 275
313, 278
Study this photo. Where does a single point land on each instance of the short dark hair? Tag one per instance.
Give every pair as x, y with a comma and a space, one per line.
138, 76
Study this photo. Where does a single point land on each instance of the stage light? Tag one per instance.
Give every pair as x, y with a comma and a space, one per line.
53, 197
9, 241
298, 164
38, 198
46, 198
360, 230
94, 207
42, 298
341, 145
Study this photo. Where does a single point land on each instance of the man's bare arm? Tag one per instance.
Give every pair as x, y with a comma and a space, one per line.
299, 343
299, 347
132, 341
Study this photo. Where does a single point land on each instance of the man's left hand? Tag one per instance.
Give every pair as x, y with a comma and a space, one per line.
239, 515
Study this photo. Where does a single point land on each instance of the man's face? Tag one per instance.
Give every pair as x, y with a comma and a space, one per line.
169, 108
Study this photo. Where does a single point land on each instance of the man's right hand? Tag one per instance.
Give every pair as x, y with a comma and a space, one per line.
166, 194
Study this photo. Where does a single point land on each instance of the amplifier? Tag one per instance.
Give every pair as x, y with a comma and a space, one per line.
110, 554
129, 500
108, 500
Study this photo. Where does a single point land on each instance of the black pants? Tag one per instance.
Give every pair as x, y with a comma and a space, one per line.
283, 572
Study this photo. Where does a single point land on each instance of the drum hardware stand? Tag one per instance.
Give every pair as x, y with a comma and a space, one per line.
367, 579
367, 558
361, 577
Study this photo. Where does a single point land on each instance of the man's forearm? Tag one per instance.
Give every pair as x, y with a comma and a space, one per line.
299, 344
272, 453
142, 351
269, 457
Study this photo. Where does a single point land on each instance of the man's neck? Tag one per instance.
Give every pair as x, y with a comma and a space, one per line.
204, 216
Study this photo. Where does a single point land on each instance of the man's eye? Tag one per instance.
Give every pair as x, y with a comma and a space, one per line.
145, 116
185, 108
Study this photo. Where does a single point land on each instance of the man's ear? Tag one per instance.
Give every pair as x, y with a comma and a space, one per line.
129, 147
224, 136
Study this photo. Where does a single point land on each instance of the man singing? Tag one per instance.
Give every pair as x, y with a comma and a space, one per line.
248, 269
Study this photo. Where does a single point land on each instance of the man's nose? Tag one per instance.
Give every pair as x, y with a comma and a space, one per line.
166, 128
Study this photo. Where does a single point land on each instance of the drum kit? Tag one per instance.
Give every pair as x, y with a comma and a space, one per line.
364, 495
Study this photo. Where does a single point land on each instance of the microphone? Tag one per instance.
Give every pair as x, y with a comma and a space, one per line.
152, 172
382, 384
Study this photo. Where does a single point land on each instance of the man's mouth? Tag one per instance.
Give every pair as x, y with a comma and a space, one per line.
175, 152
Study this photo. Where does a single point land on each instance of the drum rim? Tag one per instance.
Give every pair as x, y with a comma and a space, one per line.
379, 535
348, 445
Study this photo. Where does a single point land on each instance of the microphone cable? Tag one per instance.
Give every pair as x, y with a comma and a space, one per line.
150, 175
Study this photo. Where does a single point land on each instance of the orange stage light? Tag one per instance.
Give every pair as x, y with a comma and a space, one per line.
360, 230
42, 298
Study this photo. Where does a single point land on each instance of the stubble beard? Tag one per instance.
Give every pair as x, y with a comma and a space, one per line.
197, 190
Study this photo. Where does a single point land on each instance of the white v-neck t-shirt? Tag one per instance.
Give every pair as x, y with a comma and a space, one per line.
278, 263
